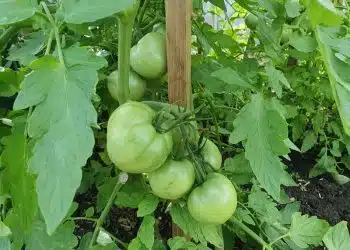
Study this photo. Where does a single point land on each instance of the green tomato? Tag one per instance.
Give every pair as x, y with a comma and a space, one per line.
148, 56
251, 21
137, 85
133, 144
213, 202
211, 154
172, 180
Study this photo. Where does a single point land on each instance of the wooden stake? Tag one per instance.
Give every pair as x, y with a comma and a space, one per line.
178, 26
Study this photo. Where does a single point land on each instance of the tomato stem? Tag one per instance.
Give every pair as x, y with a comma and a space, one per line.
126, 22
122, 179
250, 232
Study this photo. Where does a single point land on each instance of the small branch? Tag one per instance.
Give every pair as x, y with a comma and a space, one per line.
82, 218
278, 239
122, 179
49, 42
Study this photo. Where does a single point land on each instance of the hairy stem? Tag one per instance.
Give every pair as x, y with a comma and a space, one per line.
126, 22
122, 179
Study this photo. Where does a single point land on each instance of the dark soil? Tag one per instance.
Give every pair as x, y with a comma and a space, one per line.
123, 223
319, 196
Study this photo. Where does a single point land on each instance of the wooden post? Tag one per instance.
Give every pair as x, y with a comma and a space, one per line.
178, 26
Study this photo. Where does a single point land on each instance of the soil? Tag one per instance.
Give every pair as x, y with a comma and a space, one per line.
319, 196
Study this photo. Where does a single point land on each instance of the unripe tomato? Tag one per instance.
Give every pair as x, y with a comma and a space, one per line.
137, 85
133, 144
173, 179
211, 154
251, 21
148, 56
213, 202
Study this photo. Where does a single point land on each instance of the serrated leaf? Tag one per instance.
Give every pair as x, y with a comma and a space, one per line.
197, 231
85, 11
61, 125
293, 8
32, 45
323, 12
146, 231
288, 211
263, 205
309, 141
325, 164
21, 184
239, 169
276, 79
9, 81
178, 243
244, 215
231, 77
148, 205
303, 43
12, 11
307, 231
337, 237
62, 239
264, 130
132, 193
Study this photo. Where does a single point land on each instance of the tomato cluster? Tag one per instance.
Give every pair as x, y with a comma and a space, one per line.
147, 61
135, 144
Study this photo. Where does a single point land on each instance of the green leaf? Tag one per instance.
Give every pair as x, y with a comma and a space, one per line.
325, 164
136, 244
10, 81
303, 43
231, 77
263, 205
146, 231
4, 230
264, 130
309, 141
244, 215
337, 237
21, 184
5, 244
307, 231
239, 169
12, 11
148, 205
292, 8
323, 12
89, 11
219, 3
90, 212
62, 239
288, 211
276, 79
61, 125
104, 192
132, 193
197, 231
85, 242
178, 243
31, 46
338, 75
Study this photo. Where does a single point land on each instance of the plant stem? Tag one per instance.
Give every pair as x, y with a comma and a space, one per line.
126, 22
49, 42
122, 179
278, 239
55, 29
7, 35
250, 232
125, 245
82, 218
